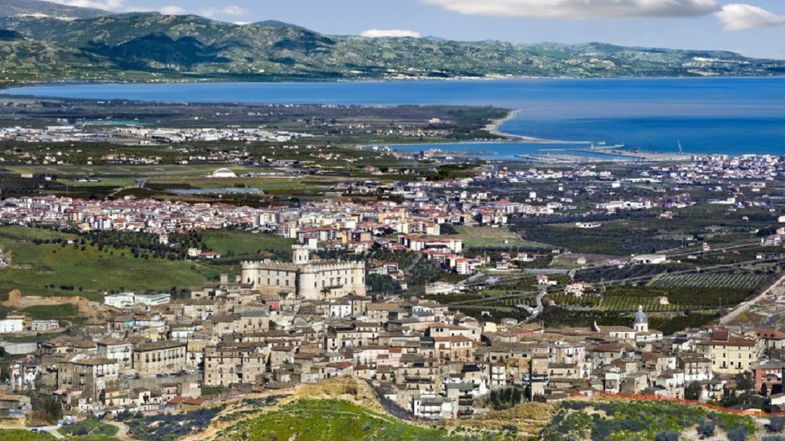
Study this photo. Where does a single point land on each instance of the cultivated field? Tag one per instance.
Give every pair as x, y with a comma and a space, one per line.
736, 280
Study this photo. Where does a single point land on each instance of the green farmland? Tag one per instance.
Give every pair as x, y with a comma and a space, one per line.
620, 304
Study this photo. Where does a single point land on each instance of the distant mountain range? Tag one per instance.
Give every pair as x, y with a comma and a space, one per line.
42, 41
32, 7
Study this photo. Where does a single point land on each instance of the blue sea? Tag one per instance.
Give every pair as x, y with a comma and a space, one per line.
703, 115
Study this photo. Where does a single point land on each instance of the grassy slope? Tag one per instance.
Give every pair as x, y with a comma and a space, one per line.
332, 420
37, 266
50, 312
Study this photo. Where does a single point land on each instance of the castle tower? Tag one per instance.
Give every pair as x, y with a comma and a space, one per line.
641, 322
301, 254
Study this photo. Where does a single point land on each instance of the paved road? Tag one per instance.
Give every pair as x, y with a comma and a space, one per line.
776, 288
538, 310
473, 278
52, 430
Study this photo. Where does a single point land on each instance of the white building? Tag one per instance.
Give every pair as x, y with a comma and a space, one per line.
14, 322
120, 300
650, 259
129, 299
431, 407
117, 350
44, 325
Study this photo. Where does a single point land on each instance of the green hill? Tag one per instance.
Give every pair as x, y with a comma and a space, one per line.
21, 7
145, 46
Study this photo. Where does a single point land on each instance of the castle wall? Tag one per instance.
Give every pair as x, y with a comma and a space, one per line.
311, 281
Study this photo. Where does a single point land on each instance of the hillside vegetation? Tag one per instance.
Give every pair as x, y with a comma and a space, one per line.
39, 266
627, 420
152, 46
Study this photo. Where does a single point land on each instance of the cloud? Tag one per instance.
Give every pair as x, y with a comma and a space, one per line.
389, 33
172, 10
97, 4
739, 17
580, 9
120, 6
234, 10
231, 10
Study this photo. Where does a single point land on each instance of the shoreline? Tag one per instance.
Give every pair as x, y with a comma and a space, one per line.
207, 80
494, 127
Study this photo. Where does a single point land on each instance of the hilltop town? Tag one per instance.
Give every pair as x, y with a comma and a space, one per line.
175, 276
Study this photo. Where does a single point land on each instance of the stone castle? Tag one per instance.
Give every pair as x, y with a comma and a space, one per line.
313, 280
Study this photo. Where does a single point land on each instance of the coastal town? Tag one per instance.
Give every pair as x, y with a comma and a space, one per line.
425, 220
279, 322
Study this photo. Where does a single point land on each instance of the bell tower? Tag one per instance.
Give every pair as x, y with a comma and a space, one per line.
641, 323
301, 254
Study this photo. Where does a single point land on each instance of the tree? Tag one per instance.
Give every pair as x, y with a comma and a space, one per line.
744, 382
693, 391
48, 406
383, 284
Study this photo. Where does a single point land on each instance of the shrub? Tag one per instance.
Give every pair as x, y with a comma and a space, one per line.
706, 429
776, 424
667, 436
737, 434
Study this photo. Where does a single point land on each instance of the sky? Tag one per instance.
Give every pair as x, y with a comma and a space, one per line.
751, 27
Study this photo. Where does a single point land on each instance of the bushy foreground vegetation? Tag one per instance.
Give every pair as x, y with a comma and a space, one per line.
167, 427
623, 420
89, 427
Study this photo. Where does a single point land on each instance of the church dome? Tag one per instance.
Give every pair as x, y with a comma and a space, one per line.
640, 316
